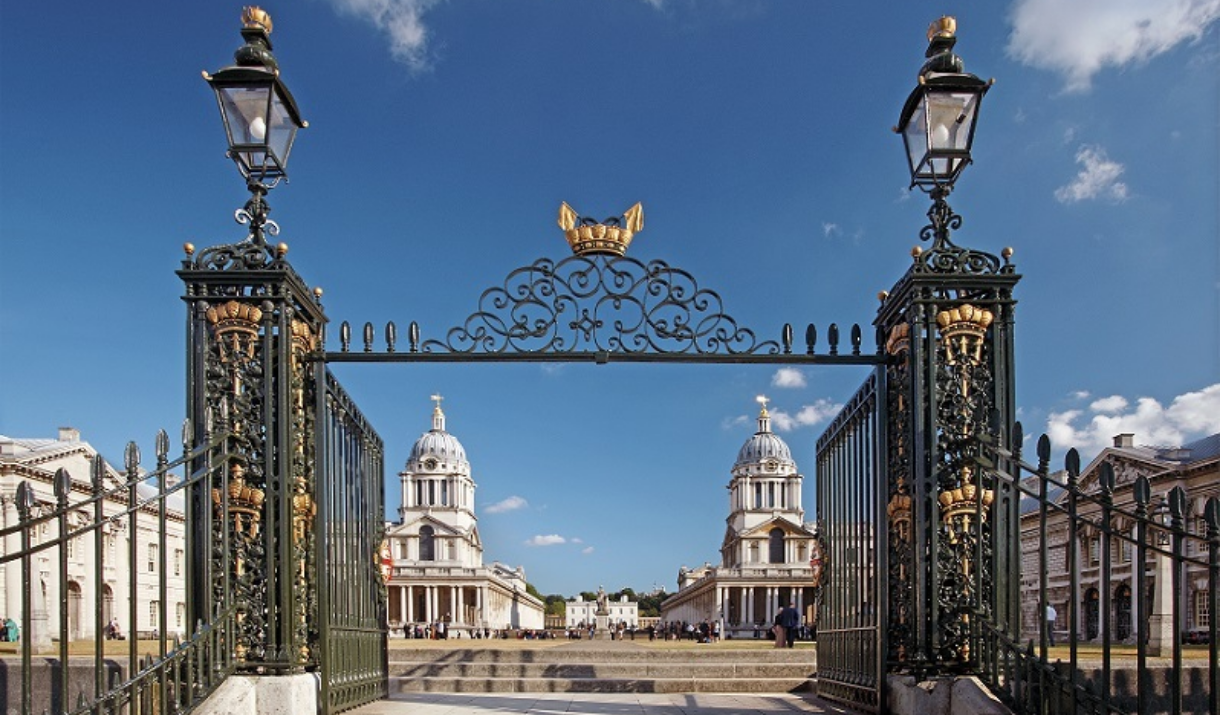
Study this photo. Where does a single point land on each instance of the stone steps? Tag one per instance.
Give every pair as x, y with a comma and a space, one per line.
623, 669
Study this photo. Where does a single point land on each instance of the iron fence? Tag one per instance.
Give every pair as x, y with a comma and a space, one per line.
1110, 567
166, 665
850, 472
352, 596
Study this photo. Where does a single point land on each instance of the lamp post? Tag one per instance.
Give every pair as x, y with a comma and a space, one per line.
937, 126
260, 117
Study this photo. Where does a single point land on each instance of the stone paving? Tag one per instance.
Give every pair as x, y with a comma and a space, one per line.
596, 704
599, 703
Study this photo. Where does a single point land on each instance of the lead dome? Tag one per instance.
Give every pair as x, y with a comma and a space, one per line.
437, 444
764, 445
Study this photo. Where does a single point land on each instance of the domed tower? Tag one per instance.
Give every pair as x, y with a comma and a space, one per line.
438, 495
765, 510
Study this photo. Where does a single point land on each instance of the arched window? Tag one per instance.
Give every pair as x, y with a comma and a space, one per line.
1122, 612
776, 550
427, 545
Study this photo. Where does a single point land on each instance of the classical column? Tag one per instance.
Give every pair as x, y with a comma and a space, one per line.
12, 572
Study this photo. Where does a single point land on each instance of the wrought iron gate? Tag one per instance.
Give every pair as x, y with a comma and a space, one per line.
351, 507
853, 606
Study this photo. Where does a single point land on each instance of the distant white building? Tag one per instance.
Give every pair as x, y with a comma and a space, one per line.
621, 612
36, 461
436, 553
767, 547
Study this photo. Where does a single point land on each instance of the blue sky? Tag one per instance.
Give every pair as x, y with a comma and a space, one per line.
443, 137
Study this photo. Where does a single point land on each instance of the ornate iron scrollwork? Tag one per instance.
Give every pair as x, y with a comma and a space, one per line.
965, 492
947, 257
601, 303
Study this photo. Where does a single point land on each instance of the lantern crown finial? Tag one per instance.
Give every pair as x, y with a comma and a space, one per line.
944, 27
253, 16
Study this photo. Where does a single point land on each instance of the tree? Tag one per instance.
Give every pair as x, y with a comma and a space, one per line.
588, 596
533, 591
650, 604
556, 605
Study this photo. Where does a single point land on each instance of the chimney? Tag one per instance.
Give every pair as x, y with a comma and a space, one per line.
1124, 440
69, 434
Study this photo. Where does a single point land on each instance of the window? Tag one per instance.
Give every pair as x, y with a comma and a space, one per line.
180, 610
776, 546
419, 493
71, 548
758, 498
154, 613
427, 544
1092, 548
771, 496
1202, 612
153, 551
178, 554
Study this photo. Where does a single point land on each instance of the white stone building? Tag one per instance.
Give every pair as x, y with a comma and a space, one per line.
36, 462
1195, 467
764, 557
622, 612
438, 574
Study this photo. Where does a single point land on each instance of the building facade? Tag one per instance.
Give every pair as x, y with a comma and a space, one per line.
436, 555
582, 614
36, 461
1195, 467
766, 551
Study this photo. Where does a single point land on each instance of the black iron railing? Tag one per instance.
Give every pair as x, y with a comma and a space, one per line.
164, 665
851, 620
1106, 570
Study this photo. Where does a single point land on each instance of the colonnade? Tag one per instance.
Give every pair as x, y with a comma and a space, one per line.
746, 605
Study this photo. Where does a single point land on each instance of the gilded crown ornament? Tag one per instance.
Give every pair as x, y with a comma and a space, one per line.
962, 330
899, 339
588, 237
234, 317
253, 16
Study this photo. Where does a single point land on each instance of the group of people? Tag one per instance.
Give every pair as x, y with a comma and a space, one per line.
9, 632
705, 632
786, 623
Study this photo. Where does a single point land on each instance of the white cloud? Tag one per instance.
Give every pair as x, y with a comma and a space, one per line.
1079, 38
1098, 178
816, 413
1080, 395
788, 377
402, 23
1109, 405
545, 540
587, 550
1188, 417
830, 229
512, 503
731, 423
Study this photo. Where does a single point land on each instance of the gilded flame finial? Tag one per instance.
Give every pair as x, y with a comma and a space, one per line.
587, 236
946, 26
254, 16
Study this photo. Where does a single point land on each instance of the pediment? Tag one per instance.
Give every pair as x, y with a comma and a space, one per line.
763, 530
412, 527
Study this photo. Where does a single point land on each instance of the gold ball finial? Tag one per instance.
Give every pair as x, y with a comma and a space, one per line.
317, 292
882, 295
1007, 252
281, 249
189, 248
916, 252
946, 26
254, 16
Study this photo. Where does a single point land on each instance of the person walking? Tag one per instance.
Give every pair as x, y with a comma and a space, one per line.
788, 619
1051, 616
